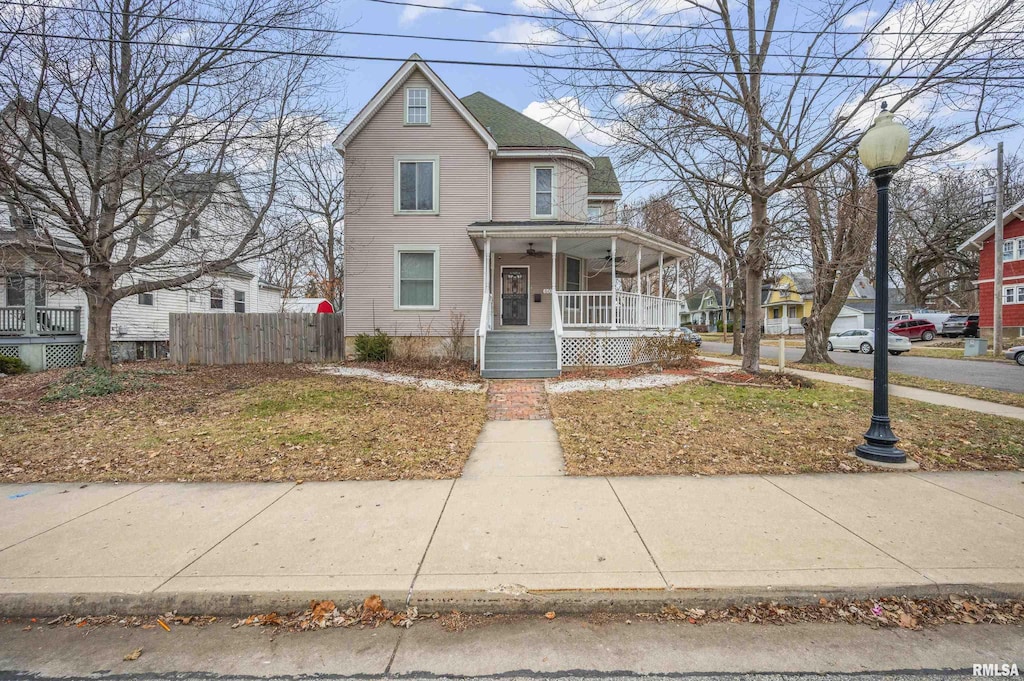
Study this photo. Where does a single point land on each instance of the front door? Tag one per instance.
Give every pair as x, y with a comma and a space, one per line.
515, 296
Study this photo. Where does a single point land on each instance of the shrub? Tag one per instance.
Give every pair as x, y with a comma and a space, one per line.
670, 350
375, 348
12, 366
93, 382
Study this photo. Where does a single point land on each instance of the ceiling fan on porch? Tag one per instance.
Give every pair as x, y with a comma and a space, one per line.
531, 252
618, 259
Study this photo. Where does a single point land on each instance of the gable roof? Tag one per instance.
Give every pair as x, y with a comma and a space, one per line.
413, 63
511, 128
978, 239
602, 178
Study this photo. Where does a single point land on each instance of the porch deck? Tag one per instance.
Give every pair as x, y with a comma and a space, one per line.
18, 321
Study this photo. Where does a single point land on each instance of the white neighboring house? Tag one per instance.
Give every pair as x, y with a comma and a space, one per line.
49, 329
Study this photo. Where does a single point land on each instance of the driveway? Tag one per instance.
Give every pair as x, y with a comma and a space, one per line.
995, 375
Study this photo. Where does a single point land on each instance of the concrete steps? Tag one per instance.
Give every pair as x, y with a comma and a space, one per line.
520, 354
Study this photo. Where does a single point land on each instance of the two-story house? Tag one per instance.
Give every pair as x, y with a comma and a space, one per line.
1012, 293
465, 209
44, 315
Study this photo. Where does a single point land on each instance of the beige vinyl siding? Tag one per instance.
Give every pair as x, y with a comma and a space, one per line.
512, 186
372, 229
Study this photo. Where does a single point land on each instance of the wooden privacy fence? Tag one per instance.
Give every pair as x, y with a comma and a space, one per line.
249, 338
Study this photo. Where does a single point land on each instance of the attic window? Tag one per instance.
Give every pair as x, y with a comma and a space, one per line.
417, 106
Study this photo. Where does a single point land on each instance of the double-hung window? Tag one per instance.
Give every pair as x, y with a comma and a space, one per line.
1008, 250
1013, 294
417, 277
146, 299
216, 298
417, 106
542, 186
16, 291
239, 301
595, 214
416, 185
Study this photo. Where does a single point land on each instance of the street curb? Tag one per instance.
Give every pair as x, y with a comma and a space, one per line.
535, 602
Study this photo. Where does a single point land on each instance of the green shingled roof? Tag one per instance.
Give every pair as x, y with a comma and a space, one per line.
511, 128
602, 177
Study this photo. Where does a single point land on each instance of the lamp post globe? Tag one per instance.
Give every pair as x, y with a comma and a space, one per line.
882, 151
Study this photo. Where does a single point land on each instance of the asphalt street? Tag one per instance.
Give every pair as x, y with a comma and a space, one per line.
996, 375
527, 647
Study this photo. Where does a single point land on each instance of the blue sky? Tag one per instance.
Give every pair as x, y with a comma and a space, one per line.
511, 86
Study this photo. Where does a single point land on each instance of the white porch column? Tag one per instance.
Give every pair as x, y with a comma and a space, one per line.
679, 293
615, 305
487, 265
554, 279
661, 290
639, 290
28, 286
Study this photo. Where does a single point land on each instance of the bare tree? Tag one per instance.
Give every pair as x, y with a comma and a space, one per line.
142, 140
932, 214
839, 206
778, 98
316, 196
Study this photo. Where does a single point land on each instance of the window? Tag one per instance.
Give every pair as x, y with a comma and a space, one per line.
573, 274
1008, 250
216, 298
595, 214
16, 291
417, 277
417, 106
1013, 294
146, 299
239, 301
1020, 249
416, 185
543, 186
193, 230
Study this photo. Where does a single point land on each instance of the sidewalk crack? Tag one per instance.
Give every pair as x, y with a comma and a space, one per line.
82, 515
640, 536
863, 539
412, 585
965, 496
226, 537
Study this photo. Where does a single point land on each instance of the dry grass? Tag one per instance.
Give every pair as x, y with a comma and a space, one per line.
714, 429
896, 378
236, 423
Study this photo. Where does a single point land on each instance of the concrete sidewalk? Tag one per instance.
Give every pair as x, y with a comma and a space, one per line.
507, 543
918, 394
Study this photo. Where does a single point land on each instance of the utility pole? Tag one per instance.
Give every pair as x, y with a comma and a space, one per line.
997, 312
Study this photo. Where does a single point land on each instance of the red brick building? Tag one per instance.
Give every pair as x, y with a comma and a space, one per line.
1013, 272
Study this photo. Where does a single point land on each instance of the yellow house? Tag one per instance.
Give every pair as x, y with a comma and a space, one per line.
786, 302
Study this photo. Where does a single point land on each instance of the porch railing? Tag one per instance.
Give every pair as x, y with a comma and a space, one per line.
486, 324
596, 309
49, 321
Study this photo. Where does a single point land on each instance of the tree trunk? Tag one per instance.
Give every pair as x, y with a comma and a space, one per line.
754, 263
816, 340
97, 349
739, 314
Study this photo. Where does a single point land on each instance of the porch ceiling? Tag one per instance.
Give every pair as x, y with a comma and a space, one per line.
581, 240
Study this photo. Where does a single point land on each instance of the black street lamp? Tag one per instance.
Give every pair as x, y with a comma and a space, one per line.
882, 151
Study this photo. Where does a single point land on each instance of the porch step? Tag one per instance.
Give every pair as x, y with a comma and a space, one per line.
520, 373
520, 354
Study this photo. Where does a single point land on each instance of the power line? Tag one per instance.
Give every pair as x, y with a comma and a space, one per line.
641, 24
688, 49
465, 62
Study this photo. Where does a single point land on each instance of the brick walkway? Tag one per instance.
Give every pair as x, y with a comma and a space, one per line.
517, 400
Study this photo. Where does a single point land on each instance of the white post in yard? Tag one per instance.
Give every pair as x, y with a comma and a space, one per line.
554, 279
661, 290
614, 301
782, 354
487, 265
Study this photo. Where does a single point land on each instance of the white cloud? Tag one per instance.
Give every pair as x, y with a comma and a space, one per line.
571, 118
862, 20
410, 14
523, 32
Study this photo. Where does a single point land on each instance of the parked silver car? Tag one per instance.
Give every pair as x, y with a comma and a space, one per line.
1016, 354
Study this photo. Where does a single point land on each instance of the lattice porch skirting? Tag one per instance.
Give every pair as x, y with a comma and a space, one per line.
608, 348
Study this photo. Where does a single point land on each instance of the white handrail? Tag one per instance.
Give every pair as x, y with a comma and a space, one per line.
595, 309
486, 324
556, 326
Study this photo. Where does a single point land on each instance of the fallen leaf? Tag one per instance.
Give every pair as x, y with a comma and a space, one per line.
550, 614
134, 655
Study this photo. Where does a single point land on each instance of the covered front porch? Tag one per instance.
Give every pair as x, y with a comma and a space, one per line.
595, 288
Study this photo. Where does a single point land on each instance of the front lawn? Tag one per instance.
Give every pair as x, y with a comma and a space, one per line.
250, 423
711, 429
